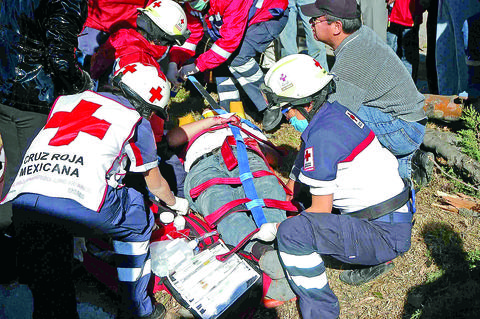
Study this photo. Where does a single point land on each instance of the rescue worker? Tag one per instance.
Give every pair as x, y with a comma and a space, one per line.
239, 31
346, 169
159, 26
37, 41
371, 80
213, 162
104, 18
70, 184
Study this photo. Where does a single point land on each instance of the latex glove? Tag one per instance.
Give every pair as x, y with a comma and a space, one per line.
180, 206
187, 70
267, 232
172, 74
79, 248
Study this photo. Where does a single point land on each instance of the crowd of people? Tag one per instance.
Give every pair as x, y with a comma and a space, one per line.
84, 93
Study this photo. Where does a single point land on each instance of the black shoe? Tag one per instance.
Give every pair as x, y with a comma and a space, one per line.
422, 168
159, 312
271, 118
357, 277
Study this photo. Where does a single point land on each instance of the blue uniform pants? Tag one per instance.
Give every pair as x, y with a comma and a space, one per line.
303, 239
45, 229
245, 68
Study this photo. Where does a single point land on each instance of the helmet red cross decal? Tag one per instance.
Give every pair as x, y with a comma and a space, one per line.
182, 21
156, 94
130, 68
157, 4
70, 124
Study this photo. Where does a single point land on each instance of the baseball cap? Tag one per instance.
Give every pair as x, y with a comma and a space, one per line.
339, 8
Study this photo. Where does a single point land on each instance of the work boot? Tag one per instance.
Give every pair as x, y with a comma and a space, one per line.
272, 116
159, 312
422, 168
357, 277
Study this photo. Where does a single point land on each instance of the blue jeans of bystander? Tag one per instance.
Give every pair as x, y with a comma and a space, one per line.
288, 37
405, 42
402, 138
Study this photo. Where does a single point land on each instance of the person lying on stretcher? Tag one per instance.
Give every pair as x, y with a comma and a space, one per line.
214, 159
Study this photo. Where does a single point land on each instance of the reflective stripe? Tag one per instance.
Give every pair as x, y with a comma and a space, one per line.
317, 282
130, 248
228, 82
302, 261
231, 95
251, 79
259, 4
221, 52
134, 274
187, 46
245, 67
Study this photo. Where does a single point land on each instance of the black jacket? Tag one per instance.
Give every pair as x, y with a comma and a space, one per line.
37, 60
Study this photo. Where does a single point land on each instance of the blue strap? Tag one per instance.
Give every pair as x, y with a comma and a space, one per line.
255, 206
244, 121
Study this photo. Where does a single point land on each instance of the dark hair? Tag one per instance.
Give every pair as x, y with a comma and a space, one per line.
348, 25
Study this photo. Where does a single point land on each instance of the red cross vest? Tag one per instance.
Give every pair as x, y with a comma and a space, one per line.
73, 154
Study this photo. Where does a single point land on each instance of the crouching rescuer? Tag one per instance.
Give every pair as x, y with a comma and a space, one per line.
69, 185
361, 210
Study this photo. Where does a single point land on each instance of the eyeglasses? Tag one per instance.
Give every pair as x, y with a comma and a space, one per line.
314, 20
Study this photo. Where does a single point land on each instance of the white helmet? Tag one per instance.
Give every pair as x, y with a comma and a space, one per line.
145, 87
295, 80
165, 22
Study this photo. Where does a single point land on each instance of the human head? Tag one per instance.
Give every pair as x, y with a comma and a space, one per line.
298, 82
346, 12
164, 22
145, 87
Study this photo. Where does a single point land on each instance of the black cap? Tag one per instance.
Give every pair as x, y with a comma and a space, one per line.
338, 8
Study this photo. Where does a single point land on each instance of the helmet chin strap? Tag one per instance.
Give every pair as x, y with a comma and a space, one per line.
317, 102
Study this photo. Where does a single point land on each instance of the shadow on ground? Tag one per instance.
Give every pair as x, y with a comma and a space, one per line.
454, 290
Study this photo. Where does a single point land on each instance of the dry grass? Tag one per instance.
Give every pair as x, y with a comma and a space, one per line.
418, 269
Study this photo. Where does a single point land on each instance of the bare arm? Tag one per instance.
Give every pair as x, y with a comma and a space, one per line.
182, 134
159, 186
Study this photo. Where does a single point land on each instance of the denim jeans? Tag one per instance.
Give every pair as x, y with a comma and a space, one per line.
288, 37
236, 226
400, 137
404, 41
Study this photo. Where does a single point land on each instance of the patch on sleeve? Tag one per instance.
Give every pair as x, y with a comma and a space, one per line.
355, 119
308, 164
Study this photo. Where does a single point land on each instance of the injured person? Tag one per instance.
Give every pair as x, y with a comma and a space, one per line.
231, 184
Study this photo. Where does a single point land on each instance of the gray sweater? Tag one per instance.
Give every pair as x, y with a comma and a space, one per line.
370, 73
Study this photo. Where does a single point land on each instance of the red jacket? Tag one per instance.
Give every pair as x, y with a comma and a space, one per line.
227, 21
128, 46
406, 12
109, 16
